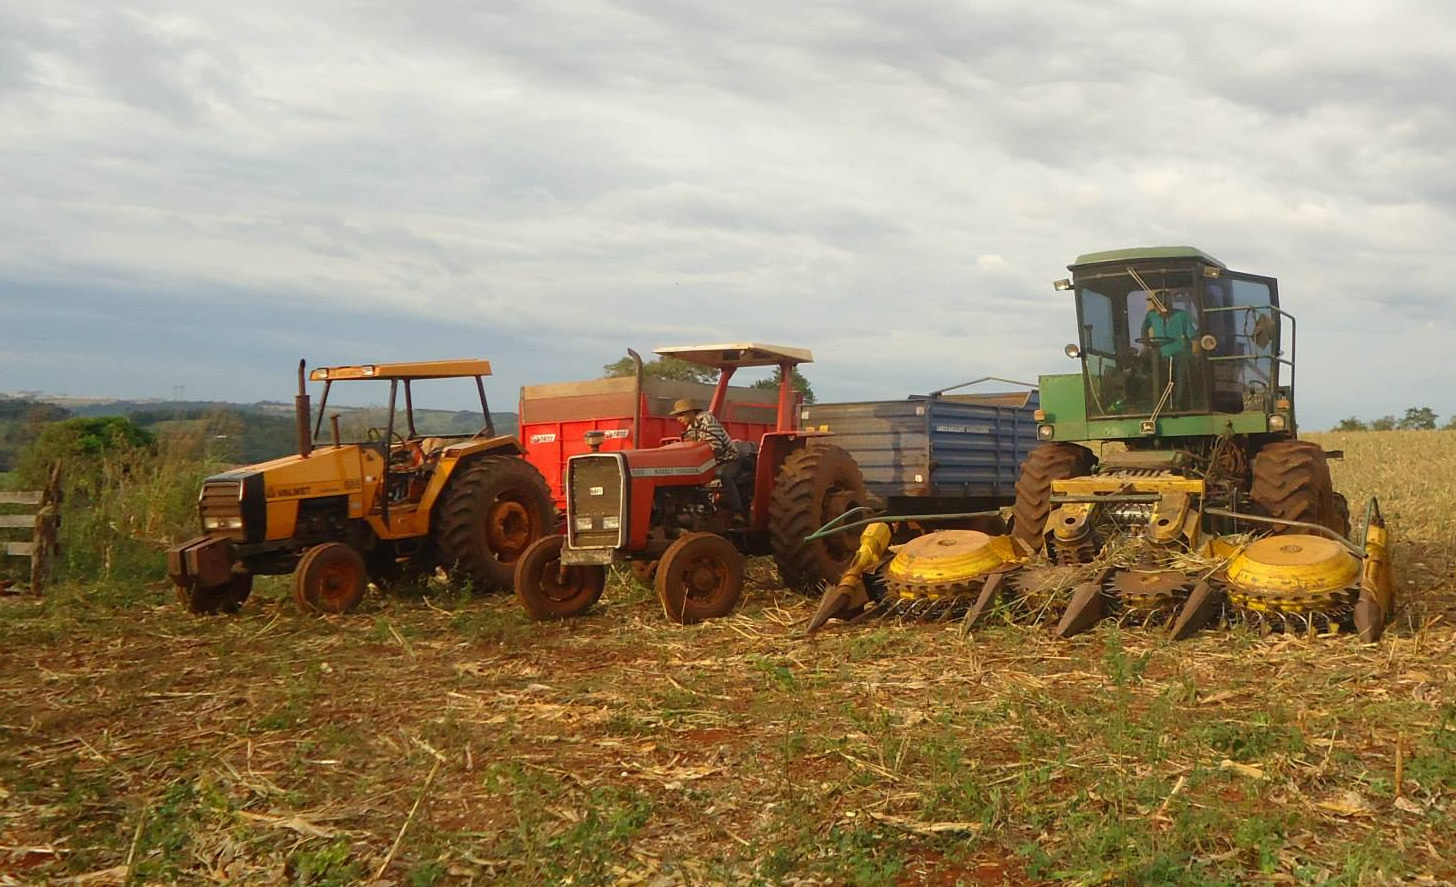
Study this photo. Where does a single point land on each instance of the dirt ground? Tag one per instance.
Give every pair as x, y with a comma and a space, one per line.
437, 739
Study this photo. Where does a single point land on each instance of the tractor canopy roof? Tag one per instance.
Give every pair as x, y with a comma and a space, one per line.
419, 369
737, 354
1141, 253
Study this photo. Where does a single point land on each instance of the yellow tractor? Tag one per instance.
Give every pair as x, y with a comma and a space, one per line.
404, 498
1170, 486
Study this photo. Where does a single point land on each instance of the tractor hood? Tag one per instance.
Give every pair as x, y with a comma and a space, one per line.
687, 462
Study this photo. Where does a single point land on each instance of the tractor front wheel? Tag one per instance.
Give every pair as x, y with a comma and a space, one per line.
699, 577
226, 598
1044, 464
549, 591
816, 484
330, 578
1292, 482
489, 515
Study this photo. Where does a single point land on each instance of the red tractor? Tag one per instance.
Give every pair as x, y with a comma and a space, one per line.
660, 509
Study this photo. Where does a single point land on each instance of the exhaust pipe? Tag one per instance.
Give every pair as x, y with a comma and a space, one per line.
637, 399
301, 412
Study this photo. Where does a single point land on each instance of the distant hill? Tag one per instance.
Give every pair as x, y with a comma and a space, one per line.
244, 433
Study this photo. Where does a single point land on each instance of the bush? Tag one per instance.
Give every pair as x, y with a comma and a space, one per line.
127, 495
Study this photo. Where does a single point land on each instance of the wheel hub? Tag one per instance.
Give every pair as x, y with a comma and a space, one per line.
703, 578
509, 529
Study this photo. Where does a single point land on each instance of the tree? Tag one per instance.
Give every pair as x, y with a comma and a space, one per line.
796, 379
663, 368
83, 444
1352, 424
1384, 423
1418, 419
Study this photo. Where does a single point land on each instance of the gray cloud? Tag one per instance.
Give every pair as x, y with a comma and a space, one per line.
210, 192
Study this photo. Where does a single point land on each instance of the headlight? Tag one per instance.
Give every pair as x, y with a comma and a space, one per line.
1276, 422
583, 523
1045, 432
612, 523
222, 523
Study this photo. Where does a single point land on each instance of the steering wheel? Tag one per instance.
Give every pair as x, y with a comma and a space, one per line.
377, 434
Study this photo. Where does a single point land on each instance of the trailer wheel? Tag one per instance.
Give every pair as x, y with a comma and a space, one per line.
548, 591
489, 515
816, 483
1044, 464
226, 598
700, 577
330, 578
1292, 482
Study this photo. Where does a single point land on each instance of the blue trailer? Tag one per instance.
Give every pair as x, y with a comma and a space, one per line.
940, 453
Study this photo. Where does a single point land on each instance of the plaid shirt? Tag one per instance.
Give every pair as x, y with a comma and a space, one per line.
705, 427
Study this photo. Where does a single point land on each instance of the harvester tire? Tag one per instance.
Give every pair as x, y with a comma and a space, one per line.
488, 516
816, 483
1292, 482
226, 598
1044, 464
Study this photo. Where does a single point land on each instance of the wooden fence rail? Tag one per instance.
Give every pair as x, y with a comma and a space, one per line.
38, 526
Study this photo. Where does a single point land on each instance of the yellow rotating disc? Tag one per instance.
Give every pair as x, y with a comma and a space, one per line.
1296, 573
941, 563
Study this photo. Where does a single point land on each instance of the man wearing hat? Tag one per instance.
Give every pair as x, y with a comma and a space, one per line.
699, 424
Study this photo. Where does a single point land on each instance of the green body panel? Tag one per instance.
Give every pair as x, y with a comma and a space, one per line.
1065, 406
1144, 253
1062, 399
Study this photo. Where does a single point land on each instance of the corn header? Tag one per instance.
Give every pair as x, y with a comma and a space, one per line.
1169, 486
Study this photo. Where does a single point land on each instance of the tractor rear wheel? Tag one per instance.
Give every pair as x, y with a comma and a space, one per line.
330, 578
489, 515
1044, 464
699, 577
548, 591
816, 484
1292, 482
226, 598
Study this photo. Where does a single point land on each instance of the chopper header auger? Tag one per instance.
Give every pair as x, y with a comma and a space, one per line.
1199, 501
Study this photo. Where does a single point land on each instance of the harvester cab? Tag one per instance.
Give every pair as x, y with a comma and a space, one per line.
1172, 344
662, 509
1169, 485
375, 499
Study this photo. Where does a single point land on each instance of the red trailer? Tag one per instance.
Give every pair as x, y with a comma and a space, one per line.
634, 413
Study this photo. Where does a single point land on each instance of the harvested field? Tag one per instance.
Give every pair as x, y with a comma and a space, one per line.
435, 739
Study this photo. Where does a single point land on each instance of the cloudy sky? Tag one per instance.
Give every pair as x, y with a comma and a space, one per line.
196, 195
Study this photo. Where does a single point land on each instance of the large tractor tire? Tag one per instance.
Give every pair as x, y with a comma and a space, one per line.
816, 483
488, 516
1292, 482
1044, 464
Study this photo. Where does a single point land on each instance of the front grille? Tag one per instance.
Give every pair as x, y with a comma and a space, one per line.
221, 504
596, 491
